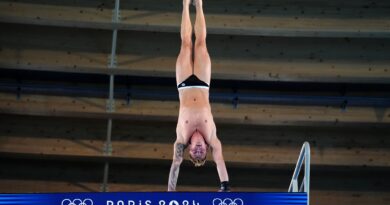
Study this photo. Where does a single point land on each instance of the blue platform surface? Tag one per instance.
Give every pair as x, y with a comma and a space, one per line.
156, 198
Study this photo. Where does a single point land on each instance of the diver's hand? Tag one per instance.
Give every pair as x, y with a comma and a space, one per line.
224, 187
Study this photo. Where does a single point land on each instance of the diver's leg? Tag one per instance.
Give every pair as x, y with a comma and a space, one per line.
202, 62
184, 64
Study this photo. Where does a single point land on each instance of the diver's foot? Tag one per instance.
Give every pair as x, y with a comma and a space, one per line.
186, 2
197, 3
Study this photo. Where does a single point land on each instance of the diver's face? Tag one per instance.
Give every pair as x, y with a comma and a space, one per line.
197, 147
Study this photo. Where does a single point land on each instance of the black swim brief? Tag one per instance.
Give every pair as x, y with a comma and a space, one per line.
192, 82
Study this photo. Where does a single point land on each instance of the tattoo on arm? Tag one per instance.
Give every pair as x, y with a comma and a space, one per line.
174, 172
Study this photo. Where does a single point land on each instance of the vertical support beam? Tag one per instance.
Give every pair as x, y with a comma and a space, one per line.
110, 102
105, 177
107, 152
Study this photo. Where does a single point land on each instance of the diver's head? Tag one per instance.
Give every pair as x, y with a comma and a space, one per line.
198, 149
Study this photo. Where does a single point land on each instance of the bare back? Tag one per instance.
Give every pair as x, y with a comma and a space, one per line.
194, 115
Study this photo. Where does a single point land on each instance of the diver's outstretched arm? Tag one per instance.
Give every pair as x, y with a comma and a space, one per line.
216, 147
178, 150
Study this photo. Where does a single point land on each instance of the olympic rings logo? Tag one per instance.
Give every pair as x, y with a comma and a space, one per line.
228, 201
77, 202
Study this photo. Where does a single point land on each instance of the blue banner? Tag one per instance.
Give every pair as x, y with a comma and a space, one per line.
156, 198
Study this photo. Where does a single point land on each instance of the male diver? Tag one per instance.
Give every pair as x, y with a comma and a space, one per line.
195, 127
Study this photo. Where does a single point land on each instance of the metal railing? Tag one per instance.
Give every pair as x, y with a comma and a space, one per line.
304, 156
